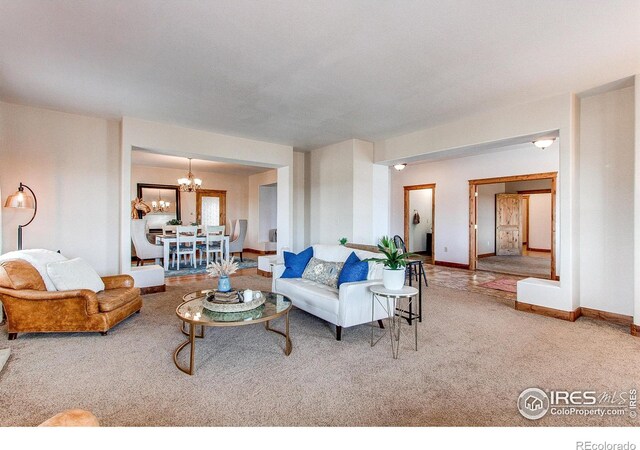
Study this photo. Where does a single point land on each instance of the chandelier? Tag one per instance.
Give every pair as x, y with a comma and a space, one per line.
160, 205
191, 183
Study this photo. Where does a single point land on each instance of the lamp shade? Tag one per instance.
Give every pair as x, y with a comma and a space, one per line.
20, 199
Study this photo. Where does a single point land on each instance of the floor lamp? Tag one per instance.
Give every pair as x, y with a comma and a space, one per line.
23, 200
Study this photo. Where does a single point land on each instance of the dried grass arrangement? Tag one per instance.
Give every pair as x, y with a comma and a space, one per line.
224, 268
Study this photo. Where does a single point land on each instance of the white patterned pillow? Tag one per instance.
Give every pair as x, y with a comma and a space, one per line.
324, 272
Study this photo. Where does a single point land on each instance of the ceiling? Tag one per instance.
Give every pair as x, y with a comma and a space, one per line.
309, 73
145, 158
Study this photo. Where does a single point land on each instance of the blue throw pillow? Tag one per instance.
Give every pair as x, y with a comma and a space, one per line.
295, 264
353, 270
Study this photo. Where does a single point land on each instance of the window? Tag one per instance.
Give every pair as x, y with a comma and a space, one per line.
210, 211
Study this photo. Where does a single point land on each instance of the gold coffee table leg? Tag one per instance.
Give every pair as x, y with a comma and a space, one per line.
192, 355
288, 345
186, 333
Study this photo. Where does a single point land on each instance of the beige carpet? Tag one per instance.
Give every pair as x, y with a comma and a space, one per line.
476, 355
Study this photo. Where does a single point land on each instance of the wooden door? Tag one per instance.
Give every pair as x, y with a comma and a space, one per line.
222, 199
508, 225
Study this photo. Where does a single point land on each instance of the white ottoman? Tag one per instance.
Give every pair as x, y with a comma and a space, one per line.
149, 279
266, 262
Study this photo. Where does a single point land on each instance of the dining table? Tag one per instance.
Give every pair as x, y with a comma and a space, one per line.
170, 239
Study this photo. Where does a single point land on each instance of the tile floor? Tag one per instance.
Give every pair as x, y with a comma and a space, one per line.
467, 280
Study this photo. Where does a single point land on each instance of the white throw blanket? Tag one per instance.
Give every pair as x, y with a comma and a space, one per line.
38, 258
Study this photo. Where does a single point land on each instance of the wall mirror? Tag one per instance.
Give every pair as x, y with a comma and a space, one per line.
164, 201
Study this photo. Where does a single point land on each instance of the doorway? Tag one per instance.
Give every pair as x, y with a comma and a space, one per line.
211, 208
419, 220
512, 225
268, 218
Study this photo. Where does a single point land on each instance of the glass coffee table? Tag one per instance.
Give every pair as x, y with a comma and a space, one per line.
192, 313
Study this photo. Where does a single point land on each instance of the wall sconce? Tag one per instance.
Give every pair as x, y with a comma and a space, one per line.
400, 167
22, 200
543, 143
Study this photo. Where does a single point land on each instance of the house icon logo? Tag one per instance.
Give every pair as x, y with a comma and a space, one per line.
533, 403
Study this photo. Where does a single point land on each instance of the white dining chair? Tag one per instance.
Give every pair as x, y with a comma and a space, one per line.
185, 244
144, 248
213, 242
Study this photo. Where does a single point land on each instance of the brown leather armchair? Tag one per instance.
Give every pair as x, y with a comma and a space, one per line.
30, 308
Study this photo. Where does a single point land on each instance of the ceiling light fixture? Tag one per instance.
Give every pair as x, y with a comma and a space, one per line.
544, 143
399, 167
190, 183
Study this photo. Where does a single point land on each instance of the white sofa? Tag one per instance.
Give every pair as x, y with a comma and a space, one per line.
344, 307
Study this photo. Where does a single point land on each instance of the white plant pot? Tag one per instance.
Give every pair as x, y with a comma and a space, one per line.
393, 279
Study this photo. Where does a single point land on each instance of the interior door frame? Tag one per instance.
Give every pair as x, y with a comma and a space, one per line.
527, 193
222, 195
418, 187
473, 212
525, 239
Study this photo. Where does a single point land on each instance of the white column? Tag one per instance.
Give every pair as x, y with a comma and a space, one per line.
125, 201
636, 296
380, 202
363, 185
285, 211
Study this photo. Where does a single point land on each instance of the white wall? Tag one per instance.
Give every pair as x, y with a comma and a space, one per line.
539, 221
341, 193
452, 191
331, 193
188, 203
237, 187
254, 240
268, 211
606, 199
487, 216
420, 201
72, 164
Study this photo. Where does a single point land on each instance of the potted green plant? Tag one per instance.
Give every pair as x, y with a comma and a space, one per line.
395, 264
343, 241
